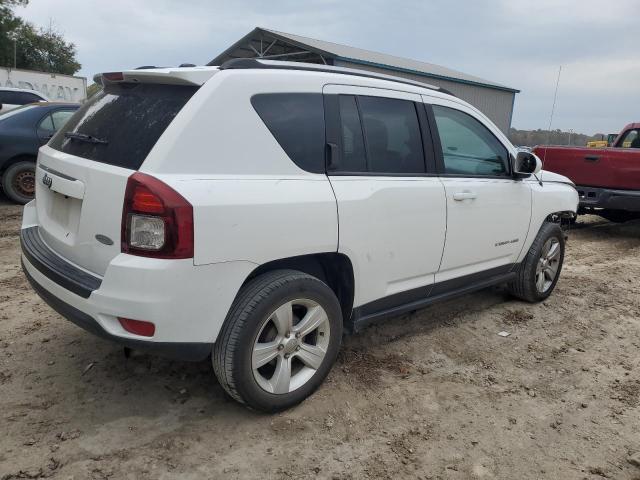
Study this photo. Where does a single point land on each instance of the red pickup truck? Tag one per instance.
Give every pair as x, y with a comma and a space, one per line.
607, 179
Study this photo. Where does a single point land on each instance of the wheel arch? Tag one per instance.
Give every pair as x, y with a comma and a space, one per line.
334, 269
21, 157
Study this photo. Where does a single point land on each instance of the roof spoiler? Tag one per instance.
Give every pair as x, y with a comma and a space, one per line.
256, 63
183, 75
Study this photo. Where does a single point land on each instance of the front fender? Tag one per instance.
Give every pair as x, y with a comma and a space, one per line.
552, 197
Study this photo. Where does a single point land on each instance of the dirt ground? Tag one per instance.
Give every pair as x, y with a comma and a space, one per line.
434, 395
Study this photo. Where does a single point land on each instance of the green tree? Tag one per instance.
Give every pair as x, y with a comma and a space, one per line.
38, 49
45, 51
8, 25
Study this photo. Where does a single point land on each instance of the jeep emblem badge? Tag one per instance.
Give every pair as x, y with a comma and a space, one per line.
47, 180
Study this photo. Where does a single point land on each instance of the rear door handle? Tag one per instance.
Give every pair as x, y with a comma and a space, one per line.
466, 195
592, 158
331, 150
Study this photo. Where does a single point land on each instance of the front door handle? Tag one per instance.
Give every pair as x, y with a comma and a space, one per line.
591, 158
466, 195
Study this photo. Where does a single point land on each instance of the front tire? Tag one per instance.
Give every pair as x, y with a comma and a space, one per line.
540, 270
279, 341
18, 181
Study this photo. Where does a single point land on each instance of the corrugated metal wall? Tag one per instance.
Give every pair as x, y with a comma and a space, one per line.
495, 104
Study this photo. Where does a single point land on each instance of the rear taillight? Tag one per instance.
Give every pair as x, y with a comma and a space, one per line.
156, 220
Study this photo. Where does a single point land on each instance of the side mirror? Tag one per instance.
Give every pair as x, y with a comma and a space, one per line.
525, 164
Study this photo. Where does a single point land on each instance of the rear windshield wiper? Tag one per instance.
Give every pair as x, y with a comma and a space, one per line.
83, 137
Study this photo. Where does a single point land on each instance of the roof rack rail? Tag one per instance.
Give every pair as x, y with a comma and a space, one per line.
256, 63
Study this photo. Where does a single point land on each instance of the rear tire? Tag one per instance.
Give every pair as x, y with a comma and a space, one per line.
18, 181
540, 270
279, 340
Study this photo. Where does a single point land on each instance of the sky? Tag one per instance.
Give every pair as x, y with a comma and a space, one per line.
516, 43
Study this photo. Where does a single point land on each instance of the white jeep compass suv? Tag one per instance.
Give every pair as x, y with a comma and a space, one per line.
254, 211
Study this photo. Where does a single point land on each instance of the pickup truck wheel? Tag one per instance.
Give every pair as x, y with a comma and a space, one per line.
18, 181
279, 341
539, 271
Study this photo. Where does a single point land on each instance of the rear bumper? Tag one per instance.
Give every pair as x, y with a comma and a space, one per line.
186, 303
592, 197
175, 350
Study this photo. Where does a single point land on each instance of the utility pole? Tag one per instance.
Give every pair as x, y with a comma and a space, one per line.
14, 36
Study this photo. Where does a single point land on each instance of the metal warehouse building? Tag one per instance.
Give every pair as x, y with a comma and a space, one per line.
494, 100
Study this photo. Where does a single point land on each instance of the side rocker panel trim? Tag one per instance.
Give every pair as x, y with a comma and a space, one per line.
418, 298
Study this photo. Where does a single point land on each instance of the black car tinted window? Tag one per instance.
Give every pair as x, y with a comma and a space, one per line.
296, 120
392, 135
468, 147
18, 98
130, 118
26, 97
353, 154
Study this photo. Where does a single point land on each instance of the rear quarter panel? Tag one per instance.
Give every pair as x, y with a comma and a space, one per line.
250, 200
260, 219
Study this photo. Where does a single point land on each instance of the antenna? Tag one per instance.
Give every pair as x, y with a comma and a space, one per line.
555, 96
553, 109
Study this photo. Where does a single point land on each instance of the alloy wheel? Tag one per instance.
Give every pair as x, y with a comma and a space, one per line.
290, 346
548, 265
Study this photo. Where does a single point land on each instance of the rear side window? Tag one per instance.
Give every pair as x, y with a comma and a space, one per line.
124, 122
353, 154
46, 123
392, 135
296, 120
379, 136
60, 117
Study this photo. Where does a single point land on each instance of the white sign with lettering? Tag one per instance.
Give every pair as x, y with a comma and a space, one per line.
57, 88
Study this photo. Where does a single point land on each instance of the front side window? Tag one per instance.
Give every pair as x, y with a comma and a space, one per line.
631, 139
468, 147
296, 120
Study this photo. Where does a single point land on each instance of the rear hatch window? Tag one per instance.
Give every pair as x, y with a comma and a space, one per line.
122, 123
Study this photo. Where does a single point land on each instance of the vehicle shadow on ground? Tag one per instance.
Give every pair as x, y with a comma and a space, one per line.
95, 380
594, 227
